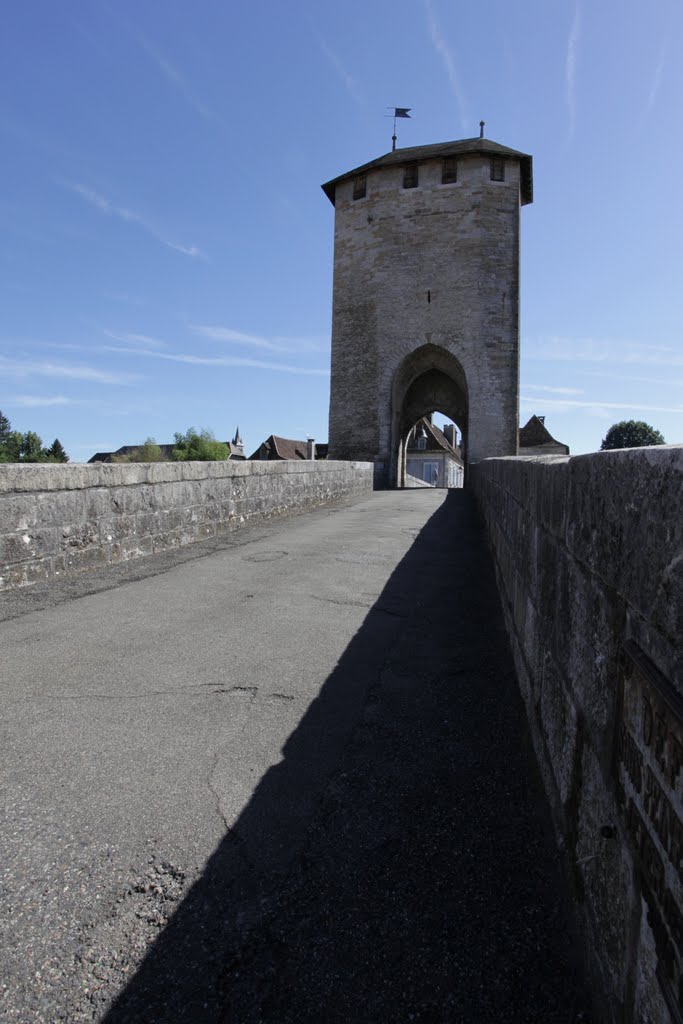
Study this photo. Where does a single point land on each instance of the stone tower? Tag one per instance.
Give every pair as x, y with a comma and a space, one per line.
426, 300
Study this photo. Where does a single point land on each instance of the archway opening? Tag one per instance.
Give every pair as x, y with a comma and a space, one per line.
428, 379
433, 453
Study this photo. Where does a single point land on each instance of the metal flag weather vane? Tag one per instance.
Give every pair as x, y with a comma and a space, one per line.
398, 112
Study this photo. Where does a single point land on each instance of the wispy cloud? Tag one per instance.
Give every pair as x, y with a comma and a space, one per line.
550, 390
570, 68
135, 339
217, 333
278, 343
598, 405
446, 54
636, 378
135, 342
193, 360
36, 401
176, 79
600, 350
171, 73
347, 78
40, 368
105, 206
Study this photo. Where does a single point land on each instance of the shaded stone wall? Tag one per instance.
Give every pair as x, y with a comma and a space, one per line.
589, 557
57, 520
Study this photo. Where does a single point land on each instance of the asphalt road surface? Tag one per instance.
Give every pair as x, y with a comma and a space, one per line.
281, 777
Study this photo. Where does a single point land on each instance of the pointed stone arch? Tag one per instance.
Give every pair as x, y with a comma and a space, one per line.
429, 378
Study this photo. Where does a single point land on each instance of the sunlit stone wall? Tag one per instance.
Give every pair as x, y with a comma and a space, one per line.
57, 520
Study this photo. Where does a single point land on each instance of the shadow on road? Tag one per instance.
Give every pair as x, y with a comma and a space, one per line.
397, 864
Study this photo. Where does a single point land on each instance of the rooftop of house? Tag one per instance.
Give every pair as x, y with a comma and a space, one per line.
534, 433
287, 448
440, 151
436, 439
126, 449
235, 446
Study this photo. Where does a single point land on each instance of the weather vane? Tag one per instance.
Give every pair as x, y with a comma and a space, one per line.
398, 112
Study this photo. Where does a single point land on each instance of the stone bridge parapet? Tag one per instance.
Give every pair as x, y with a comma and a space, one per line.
58, 520
589, 558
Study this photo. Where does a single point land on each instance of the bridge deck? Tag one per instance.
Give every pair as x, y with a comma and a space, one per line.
286, 781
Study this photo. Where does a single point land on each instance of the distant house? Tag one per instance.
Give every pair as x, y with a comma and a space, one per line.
433, 456
535, 439
236, 447
275, 448
126, 449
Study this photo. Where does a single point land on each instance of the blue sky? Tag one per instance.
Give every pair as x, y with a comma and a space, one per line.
166, 249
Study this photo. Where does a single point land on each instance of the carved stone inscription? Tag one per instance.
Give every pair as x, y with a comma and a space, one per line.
649, 774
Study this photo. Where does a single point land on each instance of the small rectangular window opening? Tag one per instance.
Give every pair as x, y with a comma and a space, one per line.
497, 168
410, 176
449, 171
360, 186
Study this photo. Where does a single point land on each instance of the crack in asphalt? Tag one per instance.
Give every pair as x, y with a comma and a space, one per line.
188, 691
341, 601
213, 790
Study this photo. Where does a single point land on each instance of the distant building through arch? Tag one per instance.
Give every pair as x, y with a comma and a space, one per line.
426, 300
433, 456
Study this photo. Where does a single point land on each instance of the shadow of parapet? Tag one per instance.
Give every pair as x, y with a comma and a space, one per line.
398, 864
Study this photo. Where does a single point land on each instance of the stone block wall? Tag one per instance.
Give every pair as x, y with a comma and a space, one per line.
436, 265
589, 558
57, 520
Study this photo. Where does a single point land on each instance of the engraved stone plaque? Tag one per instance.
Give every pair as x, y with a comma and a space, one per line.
648, 768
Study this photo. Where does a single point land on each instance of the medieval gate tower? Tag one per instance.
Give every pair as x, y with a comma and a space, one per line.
426, 300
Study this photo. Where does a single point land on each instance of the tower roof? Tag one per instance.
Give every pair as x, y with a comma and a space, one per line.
440, 150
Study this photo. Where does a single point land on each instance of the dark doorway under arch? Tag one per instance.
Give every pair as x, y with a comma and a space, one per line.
429, 378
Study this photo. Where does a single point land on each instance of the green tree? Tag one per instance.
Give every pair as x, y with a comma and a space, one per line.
56, 453
630, 434
12, 447
199, 446
149, 451
5, 430
31, 448
28, 447
10, 441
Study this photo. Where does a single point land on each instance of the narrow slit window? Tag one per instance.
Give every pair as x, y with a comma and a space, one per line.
360, 186
449, 171
497, 168
410, 176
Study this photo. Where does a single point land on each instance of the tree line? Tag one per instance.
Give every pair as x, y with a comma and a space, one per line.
28, 447
192, 446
